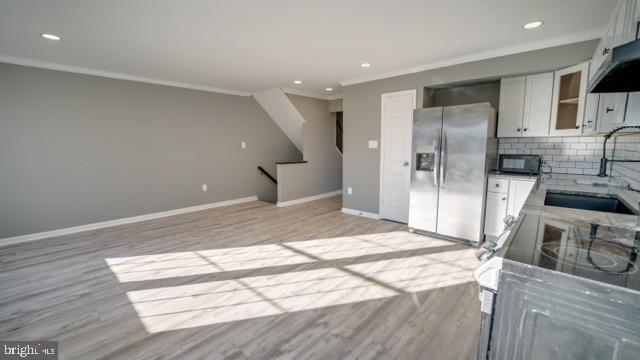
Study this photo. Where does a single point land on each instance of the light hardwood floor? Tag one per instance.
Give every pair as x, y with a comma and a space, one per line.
248, 281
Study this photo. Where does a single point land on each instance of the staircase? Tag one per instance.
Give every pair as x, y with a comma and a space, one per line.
276, 103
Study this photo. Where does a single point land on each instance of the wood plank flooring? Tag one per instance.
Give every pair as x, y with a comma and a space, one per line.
248, 281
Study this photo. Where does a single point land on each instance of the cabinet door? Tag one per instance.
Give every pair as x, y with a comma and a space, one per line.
632, 116
611, 111
495, 213
569, 94
511, 107
537, 104
590, 121
518, 192
625, 26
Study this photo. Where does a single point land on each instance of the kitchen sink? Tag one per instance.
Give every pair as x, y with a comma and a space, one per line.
611, 204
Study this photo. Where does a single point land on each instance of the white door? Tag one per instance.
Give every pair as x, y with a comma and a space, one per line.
537, 104
518, 193
495, 213
511, 106
395, 154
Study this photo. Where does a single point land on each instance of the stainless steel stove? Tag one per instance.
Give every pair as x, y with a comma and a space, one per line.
561, 289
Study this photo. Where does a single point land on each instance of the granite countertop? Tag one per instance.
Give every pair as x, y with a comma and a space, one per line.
569, 183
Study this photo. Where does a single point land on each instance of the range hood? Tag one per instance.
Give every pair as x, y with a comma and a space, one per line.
620, 72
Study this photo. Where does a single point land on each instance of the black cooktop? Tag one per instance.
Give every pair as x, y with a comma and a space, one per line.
588, 250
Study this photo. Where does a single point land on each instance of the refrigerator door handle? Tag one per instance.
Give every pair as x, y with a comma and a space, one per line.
443, 157
436, 167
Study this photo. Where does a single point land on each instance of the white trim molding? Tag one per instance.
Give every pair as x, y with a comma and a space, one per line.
361, 213
482, 55
105, 224
308, 198
113, 75
311, 94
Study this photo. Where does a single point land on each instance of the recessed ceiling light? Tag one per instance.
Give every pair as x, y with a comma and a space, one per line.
533, 25
365, 65
297, 82
329, 89
51, 36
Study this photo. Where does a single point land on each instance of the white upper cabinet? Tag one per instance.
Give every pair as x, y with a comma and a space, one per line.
537, 104
621, 29
569, 97
590, 120
611, 111
525, 105
603, 50
510, 113
625, 22
632, 116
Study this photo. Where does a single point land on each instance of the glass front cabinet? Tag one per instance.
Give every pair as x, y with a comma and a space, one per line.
569, 99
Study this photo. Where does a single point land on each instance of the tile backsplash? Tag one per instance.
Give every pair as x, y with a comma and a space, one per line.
627, 148
580, 155
565, 155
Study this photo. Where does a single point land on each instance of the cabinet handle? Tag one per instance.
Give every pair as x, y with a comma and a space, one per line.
609, 109
577, 126
504, 199
525, 129
589, 121
497, 185
518, 129
605, 51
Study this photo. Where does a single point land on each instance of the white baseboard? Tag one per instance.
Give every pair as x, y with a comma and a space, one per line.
100, 225
309, 198
361, 213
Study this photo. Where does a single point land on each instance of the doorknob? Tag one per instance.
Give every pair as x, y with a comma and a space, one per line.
406, 163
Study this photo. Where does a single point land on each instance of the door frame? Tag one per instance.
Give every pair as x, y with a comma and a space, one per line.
383, 96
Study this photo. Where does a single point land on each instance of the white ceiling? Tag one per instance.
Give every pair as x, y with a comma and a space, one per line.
247, 46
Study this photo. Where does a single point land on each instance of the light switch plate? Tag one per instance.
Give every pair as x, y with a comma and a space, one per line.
349, 191
204, 187
243, 144
373, 144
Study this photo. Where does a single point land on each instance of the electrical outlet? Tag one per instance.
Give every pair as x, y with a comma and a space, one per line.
243, 145
349, 191
204, 187
373, 144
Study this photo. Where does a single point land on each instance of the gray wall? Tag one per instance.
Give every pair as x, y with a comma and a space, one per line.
361, 102
323, 171
78, 149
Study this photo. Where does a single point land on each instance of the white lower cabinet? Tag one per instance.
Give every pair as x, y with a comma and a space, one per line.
518, 192
504, 200
495, 213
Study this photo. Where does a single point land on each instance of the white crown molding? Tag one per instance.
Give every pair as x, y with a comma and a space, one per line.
113, 75
309, 198
100, 225
483, 55
311, 94
361, 213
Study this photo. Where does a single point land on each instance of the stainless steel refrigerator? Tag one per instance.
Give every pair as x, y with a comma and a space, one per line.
453, 150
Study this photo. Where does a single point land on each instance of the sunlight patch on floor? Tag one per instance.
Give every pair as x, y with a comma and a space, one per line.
187, 306
162, 266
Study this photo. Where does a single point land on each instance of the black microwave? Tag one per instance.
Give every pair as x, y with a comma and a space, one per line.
520, 164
